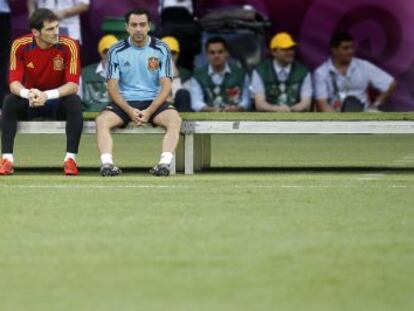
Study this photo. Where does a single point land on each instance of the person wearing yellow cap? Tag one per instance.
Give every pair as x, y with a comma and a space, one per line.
180, 85
94, 92
282, 84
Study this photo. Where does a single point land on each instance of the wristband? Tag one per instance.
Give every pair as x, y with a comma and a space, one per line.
24, 93
52, 94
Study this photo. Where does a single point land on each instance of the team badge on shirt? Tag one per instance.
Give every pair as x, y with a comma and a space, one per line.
58, 63
233, 94
153, 63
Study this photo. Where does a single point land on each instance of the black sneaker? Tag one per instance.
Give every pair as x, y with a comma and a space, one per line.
160, 170
109, 170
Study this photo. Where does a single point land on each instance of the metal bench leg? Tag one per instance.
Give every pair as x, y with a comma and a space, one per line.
179, 155
189, 154
202, 146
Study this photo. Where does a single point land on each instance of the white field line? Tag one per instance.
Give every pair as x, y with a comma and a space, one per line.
404, 160
257, 186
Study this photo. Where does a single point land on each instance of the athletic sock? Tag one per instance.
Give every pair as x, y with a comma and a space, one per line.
166, 158
70, 156
106, 158
9, 157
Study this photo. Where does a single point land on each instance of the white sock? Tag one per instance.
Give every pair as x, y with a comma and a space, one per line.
9, 157
166, 158
106, 158
70, 156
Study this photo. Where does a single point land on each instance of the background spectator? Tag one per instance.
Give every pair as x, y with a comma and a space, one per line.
220, 85
181, 79
345, 80
94, 91
281, 83
67, 11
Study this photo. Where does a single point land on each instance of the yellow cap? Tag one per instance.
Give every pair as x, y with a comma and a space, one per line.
172, 44
106, 42
282, 40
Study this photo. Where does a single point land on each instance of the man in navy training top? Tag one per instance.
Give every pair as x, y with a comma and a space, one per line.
139, 75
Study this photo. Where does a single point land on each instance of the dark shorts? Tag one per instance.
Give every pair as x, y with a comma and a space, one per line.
141, 105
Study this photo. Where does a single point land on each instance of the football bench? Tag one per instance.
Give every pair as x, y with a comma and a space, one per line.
194, 150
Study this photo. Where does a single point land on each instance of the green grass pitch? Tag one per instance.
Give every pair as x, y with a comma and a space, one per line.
276, 239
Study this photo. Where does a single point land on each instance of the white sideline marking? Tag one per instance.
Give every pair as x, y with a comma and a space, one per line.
96, 186
372, 176
407, 159
81, 186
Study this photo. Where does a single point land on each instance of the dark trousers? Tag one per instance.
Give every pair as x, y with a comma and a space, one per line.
4, 53
182, 101
66, 108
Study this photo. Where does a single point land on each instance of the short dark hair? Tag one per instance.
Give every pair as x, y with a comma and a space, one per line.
216, 39
340, 37
40, 16
137, 11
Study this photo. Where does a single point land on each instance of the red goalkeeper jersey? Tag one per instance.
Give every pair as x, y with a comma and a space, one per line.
44, 69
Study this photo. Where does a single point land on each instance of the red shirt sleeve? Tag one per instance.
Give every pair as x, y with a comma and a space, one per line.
16, 69
72, 68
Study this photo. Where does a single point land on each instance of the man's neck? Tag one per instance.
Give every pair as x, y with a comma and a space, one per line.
219, 68
41, 44
341, 66
281, 64
140, 44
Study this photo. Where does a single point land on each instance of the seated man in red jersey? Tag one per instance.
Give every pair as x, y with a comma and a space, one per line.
43, 79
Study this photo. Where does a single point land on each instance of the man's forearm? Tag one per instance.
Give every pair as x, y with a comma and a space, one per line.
68, 89
30, 7
16, 87
323, 106
162, 96
117, 98
76, 10
303, 105
263, 105
210, 109
382, 98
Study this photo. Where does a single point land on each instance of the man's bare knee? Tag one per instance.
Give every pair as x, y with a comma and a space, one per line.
107, 121
101, 121
173, 123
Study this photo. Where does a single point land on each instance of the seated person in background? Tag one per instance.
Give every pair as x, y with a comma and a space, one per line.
181, 79
67, 11
220, 85
165, 4
343, 80
94, 92
282, 84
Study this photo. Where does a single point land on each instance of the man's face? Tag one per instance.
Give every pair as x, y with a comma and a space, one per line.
216, 54
284, 56
104, 55
138, 27
49, 34
344, 52
174, 56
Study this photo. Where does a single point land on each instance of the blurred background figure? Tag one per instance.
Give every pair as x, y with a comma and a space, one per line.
342, 83
94, 91
173, 4
177, 20
220, 85
5, 47
181, 79
67, 11
282, 84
